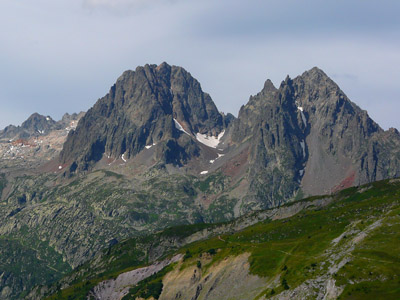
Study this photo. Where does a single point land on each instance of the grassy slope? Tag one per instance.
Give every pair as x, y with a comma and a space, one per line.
294, 248
298, 248
123, 257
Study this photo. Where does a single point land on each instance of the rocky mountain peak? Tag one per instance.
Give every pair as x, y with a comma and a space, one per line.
317, 78
314, 86
164, 68
39, 123
287, 80
315, 73
144, 107
269, 87
35, 125
309, 132
394, 131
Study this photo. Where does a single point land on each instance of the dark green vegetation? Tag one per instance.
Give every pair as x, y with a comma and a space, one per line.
360, 228
19, 260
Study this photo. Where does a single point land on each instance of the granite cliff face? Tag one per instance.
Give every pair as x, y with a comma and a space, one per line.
307, 137
145, 107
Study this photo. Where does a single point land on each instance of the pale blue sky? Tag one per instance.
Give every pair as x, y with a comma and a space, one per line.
61, 56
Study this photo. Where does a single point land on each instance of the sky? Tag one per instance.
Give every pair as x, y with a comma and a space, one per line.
61, 56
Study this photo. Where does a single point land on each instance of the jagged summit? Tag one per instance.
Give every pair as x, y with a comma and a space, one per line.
39, 123
269, 87
35, 125
308, 137
38, 140
147, 106
315, 72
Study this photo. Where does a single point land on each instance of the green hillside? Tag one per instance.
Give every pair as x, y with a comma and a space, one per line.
352, 242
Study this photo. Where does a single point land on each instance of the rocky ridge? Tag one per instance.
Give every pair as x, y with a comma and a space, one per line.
308, 138
153, 105
284, 140
37, 140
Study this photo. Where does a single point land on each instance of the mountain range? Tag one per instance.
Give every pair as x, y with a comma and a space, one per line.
305, 137
155, 152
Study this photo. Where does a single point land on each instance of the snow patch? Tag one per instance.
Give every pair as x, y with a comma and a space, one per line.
210, 141
303, 117
219, 156
203, 172
149, 146
301, 172
303, 147
179, 127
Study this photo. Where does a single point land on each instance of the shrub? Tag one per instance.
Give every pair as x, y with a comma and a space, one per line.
187, 255
212, 251
285, 284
